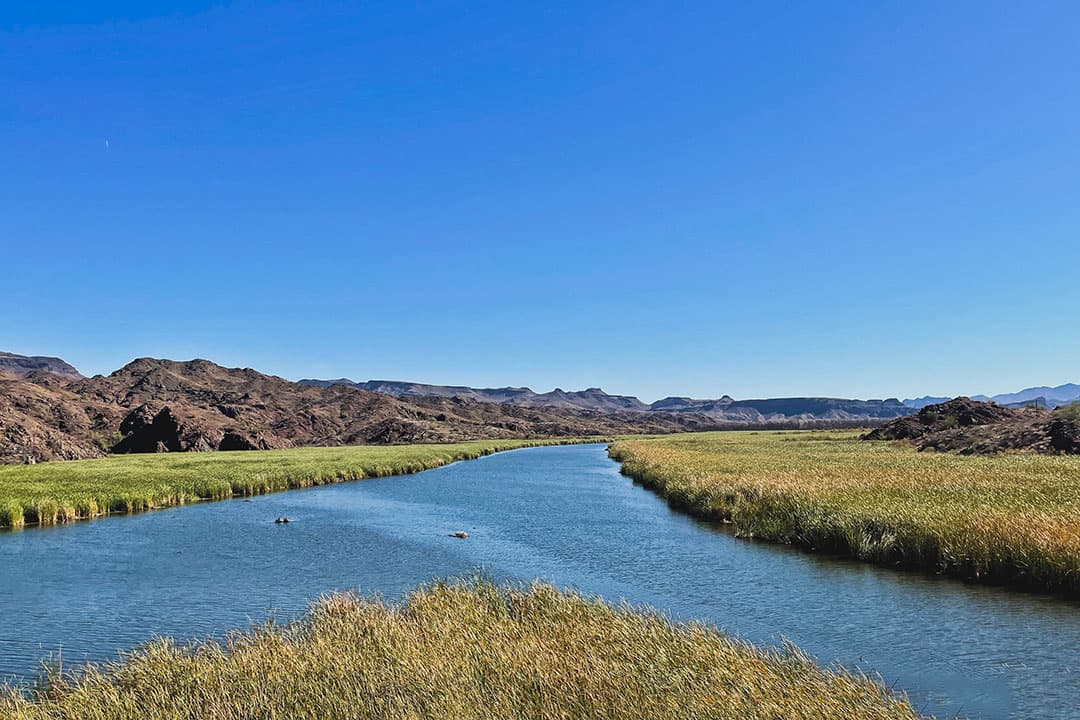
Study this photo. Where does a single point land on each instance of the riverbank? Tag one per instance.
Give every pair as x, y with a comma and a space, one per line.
1010, 519
60, 492
467, 650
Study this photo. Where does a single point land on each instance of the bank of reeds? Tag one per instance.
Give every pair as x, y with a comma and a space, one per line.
58, 492
469, 650
1012, 519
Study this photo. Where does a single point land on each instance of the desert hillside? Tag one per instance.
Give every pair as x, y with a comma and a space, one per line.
153, 405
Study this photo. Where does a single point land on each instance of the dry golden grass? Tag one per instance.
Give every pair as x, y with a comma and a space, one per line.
1009, 518
463, 651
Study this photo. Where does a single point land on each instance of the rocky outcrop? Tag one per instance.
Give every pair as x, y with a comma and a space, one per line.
952, 414
972, 427
1064, 433
147, 431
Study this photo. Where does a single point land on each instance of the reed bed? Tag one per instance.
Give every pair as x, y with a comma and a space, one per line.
59, 492
461, 650
1012, 519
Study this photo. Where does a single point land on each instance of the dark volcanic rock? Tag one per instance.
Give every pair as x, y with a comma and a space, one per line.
165, 432
958, 413
137, 420
1064, 434
233, 440
971, 427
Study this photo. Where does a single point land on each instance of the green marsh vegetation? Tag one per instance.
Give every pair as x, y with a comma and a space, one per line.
462, 650
57, 492
1011, 518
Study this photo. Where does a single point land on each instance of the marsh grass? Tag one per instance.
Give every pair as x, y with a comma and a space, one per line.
1012, 518
59, 492
462, 650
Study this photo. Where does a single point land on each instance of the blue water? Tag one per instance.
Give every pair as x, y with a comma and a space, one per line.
564, 514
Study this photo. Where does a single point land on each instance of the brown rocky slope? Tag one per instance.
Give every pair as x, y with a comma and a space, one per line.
153, 405
972, 427
41, 420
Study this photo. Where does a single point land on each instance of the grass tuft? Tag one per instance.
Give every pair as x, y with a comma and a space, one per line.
462, 650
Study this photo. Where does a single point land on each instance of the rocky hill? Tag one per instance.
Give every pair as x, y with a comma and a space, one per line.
48, 411
13, 364
969, 426
153, 405
41, 420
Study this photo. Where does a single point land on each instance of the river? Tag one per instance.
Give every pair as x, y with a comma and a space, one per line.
563, 514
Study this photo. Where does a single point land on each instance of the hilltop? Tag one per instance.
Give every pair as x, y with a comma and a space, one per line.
20, 365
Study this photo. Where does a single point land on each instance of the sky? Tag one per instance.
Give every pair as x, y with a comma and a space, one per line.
657, 198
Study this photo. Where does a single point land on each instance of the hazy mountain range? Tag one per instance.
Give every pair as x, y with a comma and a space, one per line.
724, 409
591, 399
1043, 396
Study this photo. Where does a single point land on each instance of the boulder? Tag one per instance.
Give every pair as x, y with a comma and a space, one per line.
164, 432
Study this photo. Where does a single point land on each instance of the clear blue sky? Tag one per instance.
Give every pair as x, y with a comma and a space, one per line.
692, 198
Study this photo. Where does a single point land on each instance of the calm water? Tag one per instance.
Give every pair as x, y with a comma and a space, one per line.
563, 514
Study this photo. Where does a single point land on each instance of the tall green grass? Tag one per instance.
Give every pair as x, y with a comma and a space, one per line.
462, 651
1011, 518
58, 492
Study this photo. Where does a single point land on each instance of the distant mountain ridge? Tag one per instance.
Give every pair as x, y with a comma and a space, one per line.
25, 364
1043, 396
722, 410
589, 399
